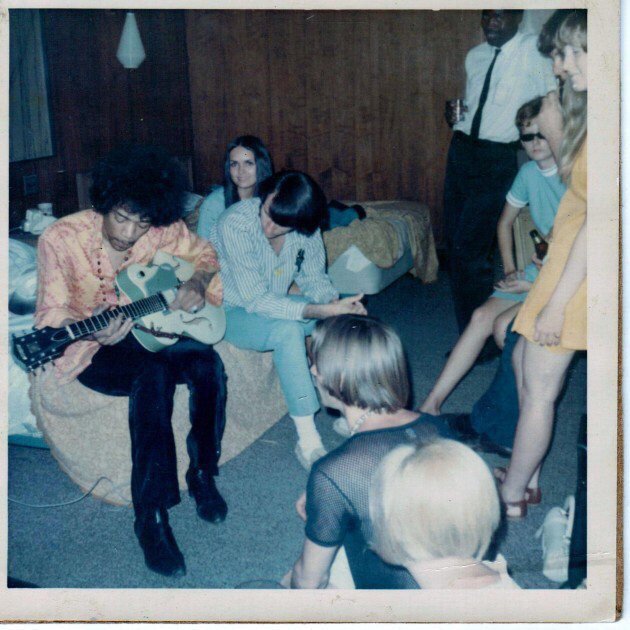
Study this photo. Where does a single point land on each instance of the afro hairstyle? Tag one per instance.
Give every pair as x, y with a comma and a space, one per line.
145, 179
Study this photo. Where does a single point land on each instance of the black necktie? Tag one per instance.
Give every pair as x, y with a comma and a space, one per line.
476, 123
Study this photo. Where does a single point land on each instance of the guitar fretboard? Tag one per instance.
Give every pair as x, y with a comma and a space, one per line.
93, 324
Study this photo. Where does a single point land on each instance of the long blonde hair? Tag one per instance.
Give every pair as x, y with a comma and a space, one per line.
572, 32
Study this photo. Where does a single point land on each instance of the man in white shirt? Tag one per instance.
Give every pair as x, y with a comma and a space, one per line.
501, 74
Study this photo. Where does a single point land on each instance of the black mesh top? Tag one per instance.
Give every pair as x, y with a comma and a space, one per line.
337, 499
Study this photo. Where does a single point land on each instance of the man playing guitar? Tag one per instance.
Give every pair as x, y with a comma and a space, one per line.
137, 196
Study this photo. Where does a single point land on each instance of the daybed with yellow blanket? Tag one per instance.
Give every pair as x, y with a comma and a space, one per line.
369, 254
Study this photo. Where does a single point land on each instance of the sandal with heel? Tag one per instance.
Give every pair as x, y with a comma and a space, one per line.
514, 510
533, 496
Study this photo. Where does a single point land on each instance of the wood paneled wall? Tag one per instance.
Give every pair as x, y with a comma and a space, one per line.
96, 103
355, 98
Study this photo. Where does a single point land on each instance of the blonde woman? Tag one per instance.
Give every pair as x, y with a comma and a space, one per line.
360, 369
434, 509
552, 321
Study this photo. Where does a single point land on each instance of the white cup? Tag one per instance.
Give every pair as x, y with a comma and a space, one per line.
31, 219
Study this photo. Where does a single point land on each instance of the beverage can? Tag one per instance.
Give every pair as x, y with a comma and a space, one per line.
458, 109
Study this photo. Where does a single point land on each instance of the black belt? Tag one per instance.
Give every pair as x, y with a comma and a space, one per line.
479, 142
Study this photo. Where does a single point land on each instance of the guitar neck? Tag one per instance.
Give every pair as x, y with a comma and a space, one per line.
145, 306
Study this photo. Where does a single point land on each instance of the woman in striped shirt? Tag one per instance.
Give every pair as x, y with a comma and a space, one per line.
273, 269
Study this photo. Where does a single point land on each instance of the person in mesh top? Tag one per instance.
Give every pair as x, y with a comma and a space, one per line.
359, 368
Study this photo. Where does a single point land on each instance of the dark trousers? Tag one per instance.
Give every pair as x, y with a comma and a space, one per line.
149, 380
578, 550
478, 176
495, 414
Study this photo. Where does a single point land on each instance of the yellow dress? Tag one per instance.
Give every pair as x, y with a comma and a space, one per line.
569, 219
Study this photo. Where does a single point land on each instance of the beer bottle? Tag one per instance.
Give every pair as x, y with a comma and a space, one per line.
540, 244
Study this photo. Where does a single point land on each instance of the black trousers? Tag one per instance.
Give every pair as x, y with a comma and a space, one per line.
478, 176
149, 380
578, 551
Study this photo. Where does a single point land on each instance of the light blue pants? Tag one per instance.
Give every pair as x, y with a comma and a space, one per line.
286, 339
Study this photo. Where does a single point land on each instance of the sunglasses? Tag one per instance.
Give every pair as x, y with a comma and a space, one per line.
528, 137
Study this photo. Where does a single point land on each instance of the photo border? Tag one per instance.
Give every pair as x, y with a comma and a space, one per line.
601, 599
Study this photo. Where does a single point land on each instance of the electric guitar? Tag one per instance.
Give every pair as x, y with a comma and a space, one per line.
151, 288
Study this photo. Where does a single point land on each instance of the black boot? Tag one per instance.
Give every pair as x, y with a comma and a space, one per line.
210, 504
161, 553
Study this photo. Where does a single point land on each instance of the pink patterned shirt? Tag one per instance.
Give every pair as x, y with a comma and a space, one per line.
69, 281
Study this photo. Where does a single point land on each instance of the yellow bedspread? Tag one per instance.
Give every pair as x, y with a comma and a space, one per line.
378, 240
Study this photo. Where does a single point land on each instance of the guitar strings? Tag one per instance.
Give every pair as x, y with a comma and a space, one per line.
140, 308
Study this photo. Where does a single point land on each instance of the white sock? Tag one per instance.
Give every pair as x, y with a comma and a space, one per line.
308, 437
340, 426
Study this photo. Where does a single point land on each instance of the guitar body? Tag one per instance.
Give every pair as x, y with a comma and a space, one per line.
163, 275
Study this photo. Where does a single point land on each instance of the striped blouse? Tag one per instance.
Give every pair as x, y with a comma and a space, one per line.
257, 279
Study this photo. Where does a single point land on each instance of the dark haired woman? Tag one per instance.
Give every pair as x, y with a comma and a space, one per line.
247, 163
265, 244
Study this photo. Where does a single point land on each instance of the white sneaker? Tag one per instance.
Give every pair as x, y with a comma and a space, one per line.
556, 533
340, 426
308, 458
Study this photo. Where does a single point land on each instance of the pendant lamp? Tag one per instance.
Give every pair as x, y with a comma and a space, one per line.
130, 49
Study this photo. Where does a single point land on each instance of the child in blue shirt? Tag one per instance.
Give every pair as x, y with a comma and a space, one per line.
538, 185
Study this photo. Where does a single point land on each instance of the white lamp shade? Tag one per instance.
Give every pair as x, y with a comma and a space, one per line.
130, 49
